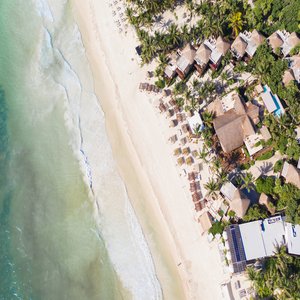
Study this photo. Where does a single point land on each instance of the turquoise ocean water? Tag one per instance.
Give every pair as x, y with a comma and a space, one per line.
50, 244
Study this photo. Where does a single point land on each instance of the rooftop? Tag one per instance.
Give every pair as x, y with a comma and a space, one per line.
292, 235
195, 122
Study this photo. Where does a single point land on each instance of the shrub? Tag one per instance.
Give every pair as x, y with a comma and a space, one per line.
278, 166
217, 227
256, 212
265, 185
245, 166
160, 83
266, 155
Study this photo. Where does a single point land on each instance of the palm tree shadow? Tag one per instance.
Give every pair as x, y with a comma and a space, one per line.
265, 168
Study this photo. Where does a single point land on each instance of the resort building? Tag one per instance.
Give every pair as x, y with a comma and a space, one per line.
254, 240
284, 41
202, 58
272, 102
291, 174
210, 52
293, 73
259, 239
185, 61
234, 121
246, 43
238, 201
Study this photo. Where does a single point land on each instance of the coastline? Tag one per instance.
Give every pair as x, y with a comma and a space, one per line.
144, 161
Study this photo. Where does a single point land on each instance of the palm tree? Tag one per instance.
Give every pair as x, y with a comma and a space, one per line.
248, 180
203, 154
222, 176
185, 33
236, 23
173, 34
208, 118
212, 187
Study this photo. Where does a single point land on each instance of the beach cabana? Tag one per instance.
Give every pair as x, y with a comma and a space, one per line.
195, 153
238, 47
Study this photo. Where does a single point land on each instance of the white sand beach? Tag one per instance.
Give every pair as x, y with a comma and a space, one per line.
136, 133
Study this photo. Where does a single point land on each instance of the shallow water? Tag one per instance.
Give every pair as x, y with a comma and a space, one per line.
53, 243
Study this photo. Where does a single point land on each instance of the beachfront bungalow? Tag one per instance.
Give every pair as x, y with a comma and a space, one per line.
210, 53
202, 58
284, 41
272, 102
238, 201
234, 121
185, 61
291, 174
218, 48
246, 43
293, 73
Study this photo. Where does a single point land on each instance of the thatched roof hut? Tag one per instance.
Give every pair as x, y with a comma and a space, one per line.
222, 45
264, 200
275, 41
191, 176
291, 174
238, 47
288, 76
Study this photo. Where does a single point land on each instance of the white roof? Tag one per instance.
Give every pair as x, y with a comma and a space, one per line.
250, 142
228, 190
250, 232
195, 121
268, 101
215, 55
292, 236
260, 238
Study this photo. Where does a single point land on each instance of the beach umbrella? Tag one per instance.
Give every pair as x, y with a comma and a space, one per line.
183, 141
186, 151
177, 151
173, 123
173, 138
195, 153
162, 107
170, 113
180, 161
189, 160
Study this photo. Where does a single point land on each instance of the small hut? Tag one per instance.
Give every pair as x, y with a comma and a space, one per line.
185, 128
172, 102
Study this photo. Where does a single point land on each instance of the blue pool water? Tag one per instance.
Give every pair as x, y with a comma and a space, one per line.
278, 111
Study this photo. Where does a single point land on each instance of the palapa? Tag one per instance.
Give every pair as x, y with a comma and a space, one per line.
189, 160
177, 151
180, 161
186, 151
183, 141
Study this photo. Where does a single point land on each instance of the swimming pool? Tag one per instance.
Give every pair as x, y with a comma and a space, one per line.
279, 110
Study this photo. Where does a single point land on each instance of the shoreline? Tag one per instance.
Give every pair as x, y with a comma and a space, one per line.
147, 176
